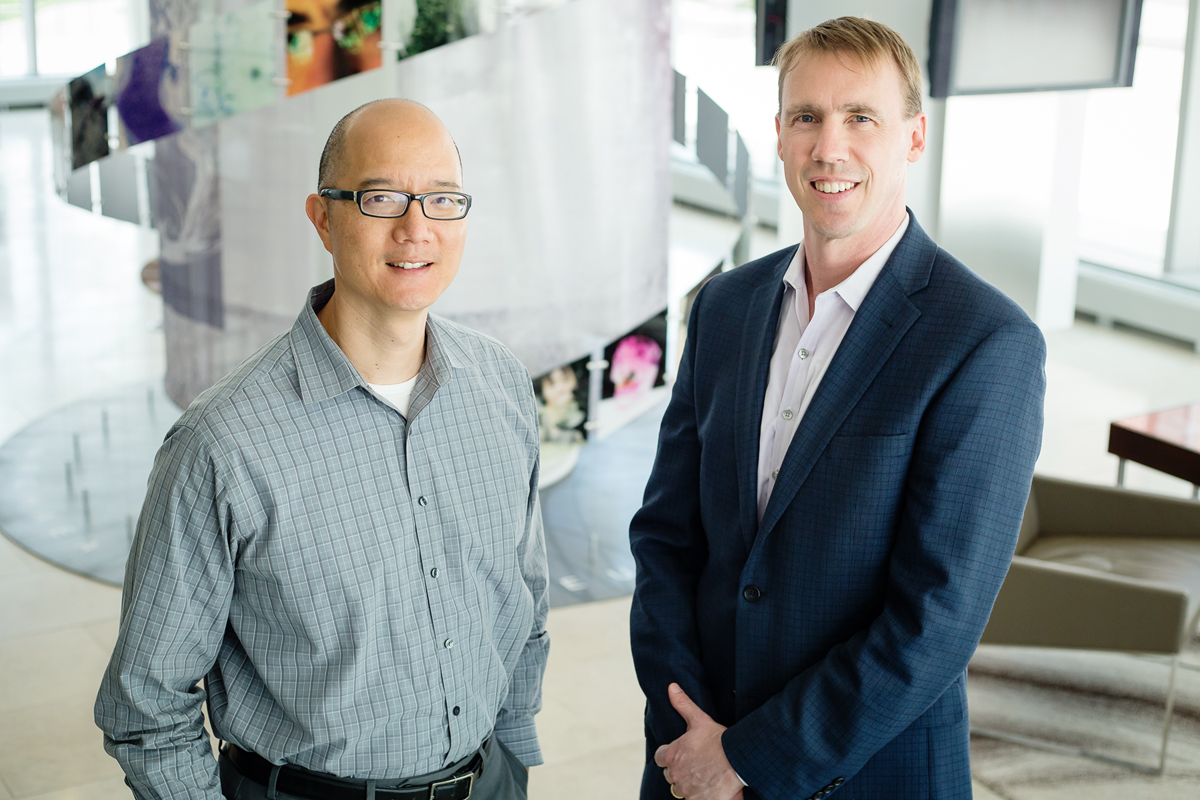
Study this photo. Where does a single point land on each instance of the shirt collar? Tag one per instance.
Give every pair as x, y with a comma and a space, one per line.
854, 289
325, 372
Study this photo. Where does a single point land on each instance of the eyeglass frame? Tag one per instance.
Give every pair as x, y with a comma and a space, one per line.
346, 194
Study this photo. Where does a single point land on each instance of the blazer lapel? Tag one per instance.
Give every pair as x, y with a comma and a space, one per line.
880, 323
754, 366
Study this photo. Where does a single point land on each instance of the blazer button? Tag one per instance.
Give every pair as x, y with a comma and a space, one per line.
838, 781
752, 594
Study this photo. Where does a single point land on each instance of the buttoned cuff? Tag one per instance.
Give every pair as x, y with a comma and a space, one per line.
520, 736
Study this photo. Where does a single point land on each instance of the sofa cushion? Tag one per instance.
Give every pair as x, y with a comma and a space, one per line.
1171, 561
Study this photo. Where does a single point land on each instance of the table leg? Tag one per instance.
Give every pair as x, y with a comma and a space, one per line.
1121, 472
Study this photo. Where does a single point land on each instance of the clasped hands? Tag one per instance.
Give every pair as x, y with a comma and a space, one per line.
695, 764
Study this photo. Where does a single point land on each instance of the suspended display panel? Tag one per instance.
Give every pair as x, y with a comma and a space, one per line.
232, 62
1001, 46
152, 91
90, 96
328, 40
562, 403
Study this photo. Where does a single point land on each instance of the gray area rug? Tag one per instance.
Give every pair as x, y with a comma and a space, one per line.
73, 481
1109, 704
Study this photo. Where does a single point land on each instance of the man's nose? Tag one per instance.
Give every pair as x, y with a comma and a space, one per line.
413, 225
832, 143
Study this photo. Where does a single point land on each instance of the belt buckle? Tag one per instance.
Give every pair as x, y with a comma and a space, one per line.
434, 787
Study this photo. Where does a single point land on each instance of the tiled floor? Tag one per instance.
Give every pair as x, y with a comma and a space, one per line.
75, 320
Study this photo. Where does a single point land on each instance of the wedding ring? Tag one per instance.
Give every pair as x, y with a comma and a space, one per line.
675, 794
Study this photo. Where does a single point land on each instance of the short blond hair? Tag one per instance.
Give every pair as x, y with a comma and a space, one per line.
866, 40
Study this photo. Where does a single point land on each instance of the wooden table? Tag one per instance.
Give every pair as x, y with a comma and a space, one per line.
1168, 441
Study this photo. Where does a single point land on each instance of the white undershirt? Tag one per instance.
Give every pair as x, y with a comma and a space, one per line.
803, 350
396, 395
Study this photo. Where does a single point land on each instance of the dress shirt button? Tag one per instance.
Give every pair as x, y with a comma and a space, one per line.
457, 711
422, 500
802, 353
752, 593
787, 413
775, 475
448, 643
433, 573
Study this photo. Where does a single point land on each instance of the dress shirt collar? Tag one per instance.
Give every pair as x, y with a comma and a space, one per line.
854, 289
325, 372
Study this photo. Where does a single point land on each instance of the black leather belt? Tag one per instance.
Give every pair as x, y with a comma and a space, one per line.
318, 786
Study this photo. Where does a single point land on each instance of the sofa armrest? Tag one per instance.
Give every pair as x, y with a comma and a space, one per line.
1068, 508
1043, 604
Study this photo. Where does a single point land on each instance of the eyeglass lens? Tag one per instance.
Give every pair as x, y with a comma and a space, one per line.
394, 204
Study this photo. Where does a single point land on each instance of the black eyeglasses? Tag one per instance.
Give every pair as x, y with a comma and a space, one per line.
389, 203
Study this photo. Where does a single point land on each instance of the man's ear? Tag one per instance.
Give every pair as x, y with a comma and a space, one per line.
917, 147
318, 212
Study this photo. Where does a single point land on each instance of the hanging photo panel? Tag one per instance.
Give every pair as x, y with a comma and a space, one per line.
152, 91
562, 401
328, 40
637, 361
90, 98
232, 63
60, 142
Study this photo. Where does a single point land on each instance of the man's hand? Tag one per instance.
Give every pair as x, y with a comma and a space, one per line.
695, 763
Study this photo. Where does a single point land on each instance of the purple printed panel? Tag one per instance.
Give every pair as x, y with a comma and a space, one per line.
149, 86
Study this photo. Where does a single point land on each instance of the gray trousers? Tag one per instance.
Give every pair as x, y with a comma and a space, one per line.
503, 778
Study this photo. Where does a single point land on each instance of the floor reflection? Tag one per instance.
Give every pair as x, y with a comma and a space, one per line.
587, 514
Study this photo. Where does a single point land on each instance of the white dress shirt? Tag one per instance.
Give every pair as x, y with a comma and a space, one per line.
803, 350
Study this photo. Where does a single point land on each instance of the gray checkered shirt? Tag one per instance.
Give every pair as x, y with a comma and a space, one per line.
365, 595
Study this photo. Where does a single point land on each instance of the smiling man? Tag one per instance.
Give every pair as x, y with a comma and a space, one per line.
342, 537
841, 473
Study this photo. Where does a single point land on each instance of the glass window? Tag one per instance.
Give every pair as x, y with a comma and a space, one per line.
12, 40
1128, 164
74, 36
714, 47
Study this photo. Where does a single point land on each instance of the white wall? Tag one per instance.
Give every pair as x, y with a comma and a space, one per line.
1010, 196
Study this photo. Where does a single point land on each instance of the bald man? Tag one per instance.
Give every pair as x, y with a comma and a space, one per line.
342, 537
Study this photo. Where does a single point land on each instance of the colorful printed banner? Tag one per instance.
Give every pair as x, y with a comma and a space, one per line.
232, 63
90, 96
151, 91
328, 40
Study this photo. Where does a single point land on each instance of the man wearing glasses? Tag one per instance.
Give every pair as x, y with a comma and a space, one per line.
343, 537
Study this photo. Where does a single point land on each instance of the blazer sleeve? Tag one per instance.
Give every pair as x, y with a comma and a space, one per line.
965, 493
669, 548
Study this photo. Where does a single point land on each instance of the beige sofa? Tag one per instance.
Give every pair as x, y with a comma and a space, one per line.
1104, 569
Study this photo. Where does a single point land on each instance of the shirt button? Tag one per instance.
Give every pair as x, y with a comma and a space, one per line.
775, 475
802, 353
457, 711
787, 414
448, 643
433, 573
422, 500
752, 594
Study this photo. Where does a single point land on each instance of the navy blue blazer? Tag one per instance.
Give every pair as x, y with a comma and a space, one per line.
833, 638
